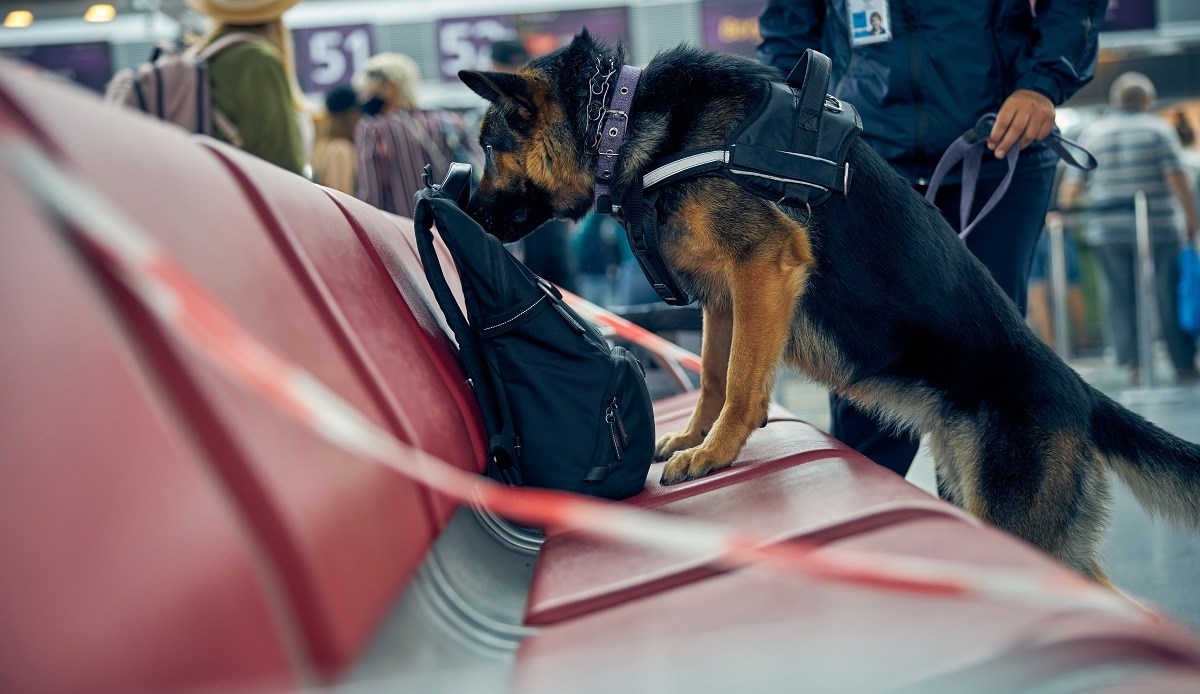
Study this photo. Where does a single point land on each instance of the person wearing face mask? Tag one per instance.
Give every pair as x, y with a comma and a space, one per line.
395, 139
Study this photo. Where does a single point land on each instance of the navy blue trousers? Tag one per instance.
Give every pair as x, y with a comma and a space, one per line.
1004, 241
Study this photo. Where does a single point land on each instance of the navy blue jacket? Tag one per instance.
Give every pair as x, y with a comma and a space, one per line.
949, 62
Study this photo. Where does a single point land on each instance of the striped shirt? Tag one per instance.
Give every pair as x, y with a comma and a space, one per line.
1136, 151
392, 151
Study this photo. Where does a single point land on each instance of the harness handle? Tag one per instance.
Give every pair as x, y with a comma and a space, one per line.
969, 148
811, 77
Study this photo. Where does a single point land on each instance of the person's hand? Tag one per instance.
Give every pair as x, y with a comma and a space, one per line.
1026, 116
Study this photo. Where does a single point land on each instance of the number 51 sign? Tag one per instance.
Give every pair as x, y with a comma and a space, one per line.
327, 56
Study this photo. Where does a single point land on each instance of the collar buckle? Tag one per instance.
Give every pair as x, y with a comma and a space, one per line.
611, 126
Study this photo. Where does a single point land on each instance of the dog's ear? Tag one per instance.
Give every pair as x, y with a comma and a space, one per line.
583, 40
500, 88
583, 47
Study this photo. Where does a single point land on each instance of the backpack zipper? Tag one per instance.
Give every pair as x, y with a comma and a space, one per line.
617, 420
610, 417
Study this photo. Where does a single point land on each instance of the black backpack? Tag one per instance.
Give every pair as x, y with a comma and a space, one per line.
562, 409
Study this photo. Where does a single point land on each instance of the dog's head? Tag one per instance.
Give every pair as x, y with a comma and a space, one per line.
538, 165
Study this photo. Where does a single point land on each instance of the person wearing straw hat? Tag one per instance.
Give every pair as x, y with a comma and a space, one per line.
254, 81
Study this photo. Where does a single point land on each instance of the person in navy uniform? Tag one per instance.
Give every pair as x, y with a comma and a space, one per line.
944, 64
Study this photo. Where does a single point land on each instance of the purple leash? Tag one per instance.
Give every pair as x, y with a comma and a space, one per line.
969, 149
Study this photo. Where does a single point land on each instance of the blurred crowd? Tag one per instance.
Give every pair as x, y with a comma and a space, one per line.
372, 140
1138, 150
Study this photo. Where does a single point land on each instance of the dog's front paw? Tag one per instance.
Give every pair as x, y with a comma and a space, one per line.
671, 444
691, 464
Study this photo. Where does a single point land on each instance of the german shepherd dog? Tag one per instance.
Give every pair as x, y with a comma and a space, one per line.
872, 294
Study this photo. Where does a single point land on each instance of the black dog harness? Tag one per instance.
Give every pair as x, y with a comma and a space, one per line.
791, 150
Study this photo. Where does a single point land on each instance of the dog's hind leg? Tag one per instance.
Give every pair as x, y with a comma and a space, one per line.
1046, 487
954, 448
714, 366
764, 290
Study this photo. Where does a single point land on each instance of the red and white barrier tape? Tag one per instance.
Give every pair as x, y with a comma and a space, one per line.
634, 333
186, 308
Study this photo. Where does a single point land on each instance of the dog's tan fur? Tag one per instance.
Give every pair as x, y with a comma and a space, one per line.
744, 334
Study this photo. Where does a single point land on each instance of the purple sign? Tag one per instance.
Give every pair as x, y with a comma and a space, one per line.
89, 64
1125, 15
464, 43
731, 26
328, 56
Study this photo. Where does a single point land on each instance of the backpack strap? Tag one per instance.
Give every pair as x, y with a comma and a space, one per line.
211, 50
503, 446
220, 121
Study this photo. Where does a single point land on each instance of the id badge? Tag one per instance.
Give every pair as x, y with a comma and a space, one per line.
870, 22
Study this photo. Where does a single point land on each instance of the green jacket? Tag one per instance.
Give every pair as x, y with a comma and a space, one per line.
249, 86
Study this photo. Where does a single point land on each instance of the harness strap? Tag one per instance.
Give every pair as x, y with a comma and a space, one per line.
815, 173
969, 149
641, 227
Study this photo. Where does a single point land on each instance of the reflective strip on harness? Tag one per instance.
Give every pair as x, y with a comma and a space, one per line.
182, 306
683, 166
781, 179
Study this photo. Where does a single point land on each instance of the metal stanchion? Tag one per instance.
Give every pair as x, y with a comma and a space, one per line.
1146, 305
1058, 286
1148, 393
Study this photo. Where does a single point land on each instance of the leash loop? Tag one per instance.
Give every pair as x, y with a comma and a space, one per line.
968, 149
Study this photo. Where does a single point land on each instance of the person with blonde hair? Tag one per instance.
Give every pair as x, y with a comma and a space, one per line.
254, 82
395, 139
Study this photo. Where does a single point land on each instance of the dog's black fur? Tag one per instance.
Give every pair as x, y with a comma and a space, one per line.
874, 295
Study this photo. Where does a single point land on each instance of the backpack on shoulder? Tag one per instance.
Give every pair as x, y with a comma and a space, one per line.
174, 87
563, 410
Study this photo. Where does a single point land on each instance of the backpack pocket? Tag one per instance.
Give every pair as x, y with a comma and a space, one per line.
625, 445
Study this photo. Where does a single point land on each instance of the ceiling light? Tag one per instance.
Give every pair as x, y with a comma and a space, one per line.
100, 13
18, 19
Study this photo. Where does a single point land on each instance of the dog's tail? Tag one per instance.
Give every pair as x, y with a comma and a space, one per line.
1162, 471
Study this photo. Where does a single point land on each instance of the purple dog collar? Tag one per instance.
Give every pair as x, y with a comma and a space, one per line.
612, 135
